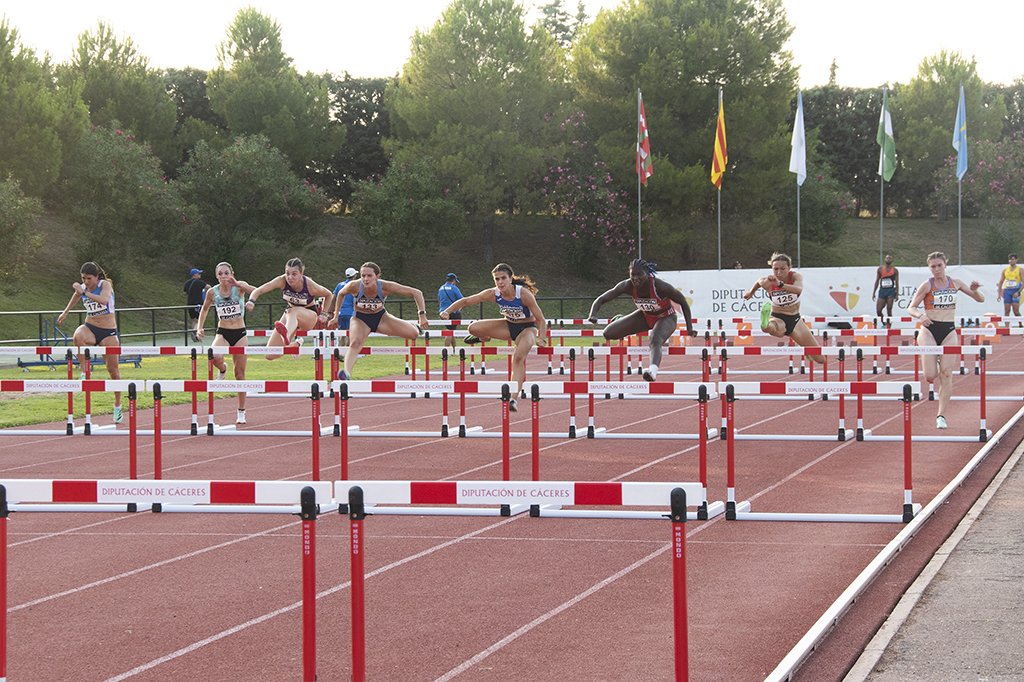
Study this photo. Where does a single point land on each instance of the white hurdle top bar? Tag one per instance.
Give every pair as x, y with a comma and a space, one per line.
162, 492
519, 492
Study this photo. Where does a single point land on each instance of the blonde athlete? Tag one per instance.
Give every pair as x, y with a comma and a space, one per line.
938, 294
228, 298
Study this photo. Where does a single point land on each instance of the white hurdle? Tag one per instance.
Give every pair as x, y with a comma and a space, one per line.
306, 499
363, 496
741, 510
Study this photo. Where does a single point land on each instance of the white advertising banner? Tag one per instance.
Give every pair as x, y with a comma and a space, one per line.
828, 292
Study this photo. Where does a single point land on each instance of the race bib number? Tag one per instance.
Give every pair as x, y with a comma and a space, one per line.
648, 305
513, 313
944, 299
784, 298
370, 305
1011, 284
296, 298
887, 283
94, 307
229, 311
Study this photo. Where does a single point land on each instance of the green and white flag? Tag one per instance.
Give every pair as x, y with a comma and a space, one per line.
887, 158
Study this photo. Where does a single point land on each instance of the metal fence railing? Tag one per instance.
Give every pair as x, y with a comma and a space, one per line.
151, 325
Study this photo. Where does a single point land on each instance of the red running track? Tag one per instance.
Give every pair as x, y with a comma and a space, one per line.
201, 597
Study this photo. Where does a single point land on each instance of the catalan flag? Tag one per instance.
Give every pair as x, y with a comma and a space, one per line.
644, 168
721, 154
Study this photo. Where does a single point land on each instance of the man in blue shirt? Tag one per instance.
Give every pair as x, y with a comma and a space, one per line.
446, 295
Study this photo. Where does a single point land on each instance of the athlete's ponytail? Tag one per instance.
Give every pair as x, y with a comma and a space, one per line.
521, 280
91, 268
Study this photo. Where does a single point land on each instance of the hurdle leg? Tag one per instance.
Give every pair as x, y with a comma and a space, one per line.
209, 394
87, 429
157, 437
342, 398
444, 395
730, 453
316, 431
702, 411
983, 431
505, 397
4, 512
572, 396
71, 399
908, 502
195, 397
535, 419
133, 440
308, 515
682, 644
356, 515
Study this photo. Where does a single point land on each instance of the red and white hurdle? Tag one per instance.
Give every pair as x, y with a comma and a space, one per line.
741, 510
304, 498
365, 496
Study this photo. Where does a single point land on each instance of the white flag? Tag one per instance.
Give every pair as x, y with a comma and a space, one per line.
798, 158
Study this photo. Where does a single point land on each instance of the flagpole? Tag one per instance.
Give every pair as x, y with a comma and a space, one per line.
798, 225
719, 195
959, 188
639, 214
959, 233
881, 183
798, 162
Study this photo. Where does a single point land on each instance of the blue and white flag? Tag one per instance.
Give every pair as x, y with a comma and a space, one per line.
960, 137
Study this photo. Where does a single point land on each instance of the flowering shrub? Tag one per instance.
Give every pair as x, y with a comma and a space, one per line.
18, 215
577, 187
992, 188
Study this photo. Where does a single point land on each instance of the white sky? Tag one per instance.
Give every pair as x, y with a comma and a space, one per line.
873, 41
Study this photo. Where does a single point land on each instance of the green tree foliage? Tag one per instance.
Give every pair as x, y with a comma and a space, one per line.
924, 115
246, 197
35, 122
407, 208
679, 52
1013, 98
473, 96
846, 120
825, 206
359, 107
196, 118
117, 85
563, 26
257, 91
114, 190
18, 216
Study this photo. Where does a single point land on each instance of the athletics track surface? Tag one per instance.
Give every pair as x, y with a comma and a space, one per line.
102, 596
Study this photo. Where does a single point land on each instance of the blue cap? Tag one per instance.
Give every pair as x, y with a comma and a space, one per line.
195, 272
451, 275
